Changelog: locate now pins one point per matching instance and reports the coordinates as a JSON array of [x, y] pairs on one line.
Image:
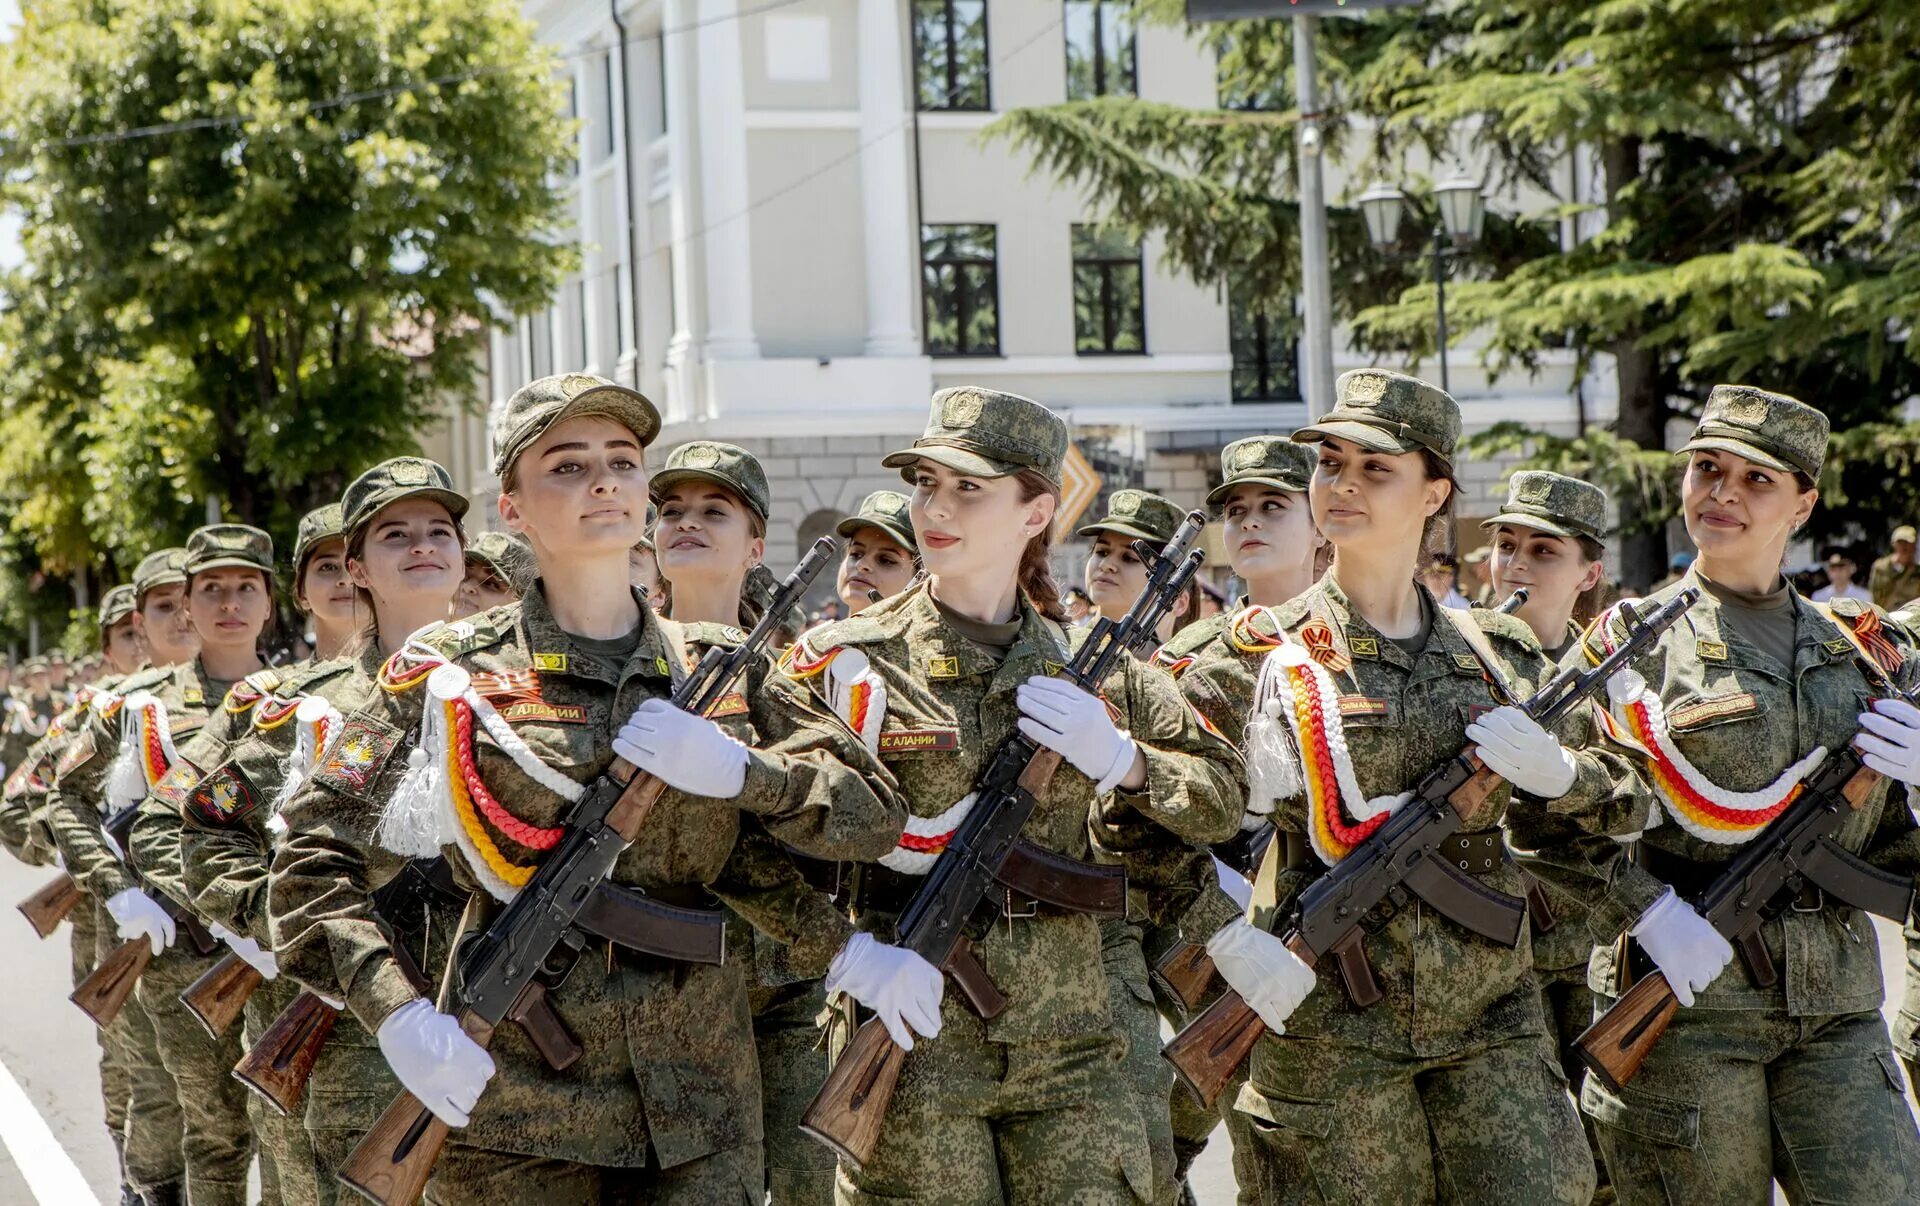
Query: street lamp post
[[1463, 213]]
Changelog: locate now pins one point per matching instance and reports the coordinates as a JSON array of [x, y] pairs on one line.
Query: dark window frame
[[950, 25], [607, 140], [1107, 266], [1102, 86], [963, 291], [1277, 378]]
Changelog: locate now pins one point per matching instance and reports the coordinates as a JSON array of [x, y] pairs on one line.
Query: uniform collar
[[552, 650], [944, 654], [1816, 642]]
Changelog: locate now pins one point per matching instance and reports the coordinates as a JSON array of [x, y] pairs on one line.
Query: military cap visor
[[961, 456], [1536, 523], [1220, 493], [168, 567], [229, 546], [885, 525], [1373, 434], [454, 501], [316, 528], [1742, 446], [1121, 527], [666, 481], [539, 406]]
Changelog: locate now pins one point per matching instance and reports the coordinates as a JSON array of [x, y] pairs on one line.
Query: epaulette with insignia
[[243, 695], [1191, 639], [1507, 628], [146, 679]]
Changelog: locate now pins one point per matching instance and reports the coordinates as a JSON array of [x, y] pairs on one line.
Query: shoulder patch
[[354, 758], [181, 778], [223, 797]]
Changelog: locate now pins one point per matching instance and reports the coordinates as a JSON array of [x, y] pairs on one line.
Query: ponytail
[[1036, 569]]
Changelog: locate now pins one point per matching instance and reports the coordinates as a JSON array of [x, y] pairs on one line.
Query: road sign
[[1245, 10], [1079, 486]]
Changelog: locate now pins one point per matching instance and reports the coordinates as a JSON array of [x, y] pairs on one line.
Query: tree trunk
[[1643, 405]]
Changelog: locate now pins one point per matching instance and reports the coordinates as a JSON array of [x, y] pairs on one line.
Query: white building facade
[[792, 233]]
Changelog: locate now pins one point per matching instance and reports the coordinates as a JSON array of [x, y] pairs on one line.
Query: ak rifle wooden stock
[[279, 1064], [48, 907], [218, 997], [499, 969], [1211, 1048], [851, 1107]]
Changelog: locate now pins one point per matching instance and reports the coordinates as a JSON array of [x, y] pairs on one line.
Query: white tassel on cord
[[127, 781], [308, 718], [1273, 758], [418, 818]]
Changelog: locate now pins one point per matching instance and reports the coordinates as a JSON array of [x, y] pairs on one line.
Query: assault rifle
[[495, 970], [1186, 968], [104, 992], [847, 1113], [279, 1063], [49, 906], [1400, 855], [1794, 851]]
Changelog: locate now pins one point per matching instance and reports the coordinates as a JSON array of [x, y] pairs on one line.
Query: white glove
[[688, 752], [901, 988], [435, 1060], [1234, 884], [1515, 747], [1889, 741], [137, 915], [1076, 726], [251, 953], [1688, 951], [1271, 979]]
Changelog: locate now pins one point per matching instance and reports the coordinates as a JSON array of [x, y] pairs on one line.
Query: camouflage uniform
[[218, 1140], [1797, 1082], [1217, 676], [664, 1100], [508, 556], [1018, 1108], [24, 718], [1160, 868], [1444, 1090], [151, 1144], [1565, 870], [786, 1002], [1893, 585]]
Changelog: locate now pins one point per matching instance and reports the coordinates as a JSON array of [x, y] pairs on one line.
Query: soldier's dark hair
[[1036, 571], [1594, 600], [1437, 538]]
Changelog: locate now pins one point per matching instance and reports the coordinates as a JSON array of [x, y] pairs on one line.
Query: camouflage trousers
[[286, 1154], [1906, 1027], [1336, 1122], [1150, 1077], [151, 1124], [978, 1123], [793, 1063], [472, 1176], [1568, 1005], [217, 1143], [114, 1088], [1732, 1100]]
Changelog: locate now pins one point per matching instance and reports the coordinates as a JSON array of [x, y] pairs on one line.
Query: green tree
[[1755, 166], [268, 234]]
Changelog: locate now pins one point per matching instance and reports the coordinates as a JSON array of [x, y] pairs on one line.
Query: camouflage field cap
[[162, 567], [33, 666], [509, 558], [316, 527], [540, 404], [115, 606], [1263, 460], [394, 481], [887, 511], [229, 546], [1769, 429], [1138, 515], [1555, 504], [727, 465], [1389, 412], [985, 433]]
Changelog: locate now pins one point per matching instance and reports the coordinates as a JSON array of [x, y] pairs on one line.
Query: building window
[[1266, 355], [573, 114], [1109, 293], [623, 330], [1100, 50], [950, 54], [582, 346], [607, 95], [962, 288]]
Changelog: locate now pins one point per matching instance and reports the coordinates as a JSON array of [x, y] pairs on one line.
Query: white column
[[677, 61], [890, 242], [726, 242]]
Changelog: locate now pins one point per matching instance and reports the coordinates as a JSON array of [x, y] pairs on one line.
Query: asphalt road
[[53, 1144]]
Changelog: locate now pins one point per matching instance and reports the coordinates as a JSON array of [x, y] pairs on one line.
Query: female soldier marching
[[1439, 1090], [1016, 1108], [514, 711], [1792, 1080]]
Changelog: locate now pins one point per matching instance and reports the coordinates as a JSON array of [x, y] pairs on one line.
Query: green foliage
[[262, 239], [1645, 480]]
